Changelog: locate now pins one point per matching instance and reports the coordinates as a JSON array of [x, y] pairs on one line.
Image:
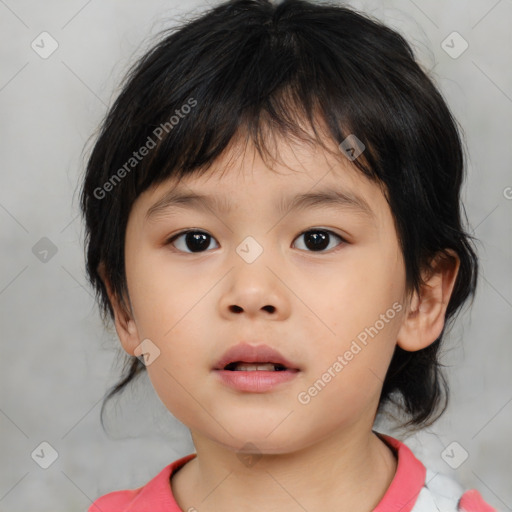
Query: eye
[[195, 240], [316, 240]]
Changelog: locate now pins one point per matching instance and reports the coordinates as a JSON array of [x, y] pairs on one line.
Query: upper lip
[[244, 352]]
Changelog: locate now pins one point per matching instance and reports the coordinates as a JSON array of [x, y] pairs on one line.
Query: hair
[[253, 67]]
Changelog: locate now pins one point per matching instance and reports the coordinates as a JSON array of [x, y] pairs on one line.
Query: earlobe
[[123, 318], [424, 319]]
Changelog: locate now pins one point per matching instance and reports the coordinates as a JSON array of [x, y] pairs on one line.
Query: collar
[[401, 495]]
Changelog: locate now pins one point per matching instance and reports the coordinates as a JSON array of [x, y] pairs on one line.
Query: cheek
[[166, 307], [173, 380], [354, 294], [170, 321], [161, 293], [359, 316], [168, 313]]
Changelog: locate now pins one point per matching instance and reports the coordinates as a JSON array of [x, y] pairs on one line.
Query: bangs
[[272, 79]]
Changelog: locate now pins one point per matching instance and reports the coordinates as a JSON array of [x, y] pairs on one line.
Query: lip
[[257, 381], [254, 354]]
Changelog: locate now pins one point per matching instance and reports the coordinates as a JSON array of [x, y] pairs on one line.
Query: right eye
[[195, 240]]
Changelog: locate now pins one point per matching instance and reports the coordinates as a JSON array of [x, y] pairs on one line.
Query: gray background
[[57, 360]]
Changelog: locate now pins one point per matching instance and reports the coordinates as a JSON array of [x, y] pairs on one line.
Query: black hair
[[253, 67]]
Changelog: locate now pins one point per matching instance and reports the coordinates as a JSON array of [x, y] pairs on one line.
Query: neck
[[349, 471]]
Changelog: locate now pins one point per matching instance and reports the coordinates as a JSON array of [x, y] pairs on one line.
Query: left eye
[[316, 240]]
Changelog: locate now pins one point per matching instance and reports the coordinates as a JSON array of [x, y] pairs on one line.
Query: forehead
[[297, 176]]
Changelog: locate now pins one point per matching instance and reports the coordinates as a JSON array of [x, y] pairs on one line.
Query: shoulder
[[154, 496], [441, 493], [116, 501], [416, 488]]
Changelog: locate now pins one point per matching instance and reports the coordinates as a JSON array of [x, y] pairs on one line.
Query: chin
[[259, 443]]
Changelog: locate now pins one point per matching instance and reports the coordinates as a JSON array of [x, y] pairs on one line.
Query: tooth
[[253, 367]]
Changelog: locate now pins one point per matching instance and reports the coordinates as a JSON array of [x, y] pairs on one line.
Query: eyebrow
[[340, 199]]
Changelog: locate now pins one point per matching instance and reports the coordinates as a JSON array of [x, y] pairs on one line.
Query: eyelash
[[311, 230]]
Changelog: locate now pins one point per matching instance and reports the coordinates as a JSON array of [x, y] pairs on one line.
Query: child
[[259, 131]]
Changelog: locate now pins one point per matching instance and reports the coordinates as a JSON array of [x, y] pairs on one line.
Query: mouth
[[255, 369], [240, 366], [245, 357]]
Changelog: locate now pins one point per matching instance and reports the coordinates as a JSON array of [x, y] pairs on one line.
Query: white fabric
[[440, 494]]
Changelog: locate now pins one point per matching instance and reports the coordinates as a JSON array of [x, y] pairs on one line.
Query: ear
[[123, 318], [425, 316]]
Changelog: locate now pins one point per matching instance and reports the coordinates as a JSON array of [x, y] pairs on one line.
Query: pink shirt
[[410, 490]]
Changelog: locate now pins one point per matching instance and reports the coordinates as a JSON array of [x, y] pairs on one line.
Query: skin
[[182, 302]]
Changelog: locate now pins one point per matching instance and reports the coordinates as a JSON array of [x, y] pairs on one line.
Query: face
[[322, 282]]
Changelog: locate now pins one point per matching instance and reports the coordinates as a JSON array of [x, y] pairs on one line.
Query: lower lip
[[257, 381]]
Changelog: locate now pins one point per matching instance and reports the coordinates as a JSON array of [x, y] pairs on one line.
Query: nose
[[255, 290], [234, 308]]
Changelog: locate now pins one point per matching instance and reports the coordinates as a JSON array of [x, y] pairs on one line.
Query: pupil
[[316, 240], [201, 241]]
